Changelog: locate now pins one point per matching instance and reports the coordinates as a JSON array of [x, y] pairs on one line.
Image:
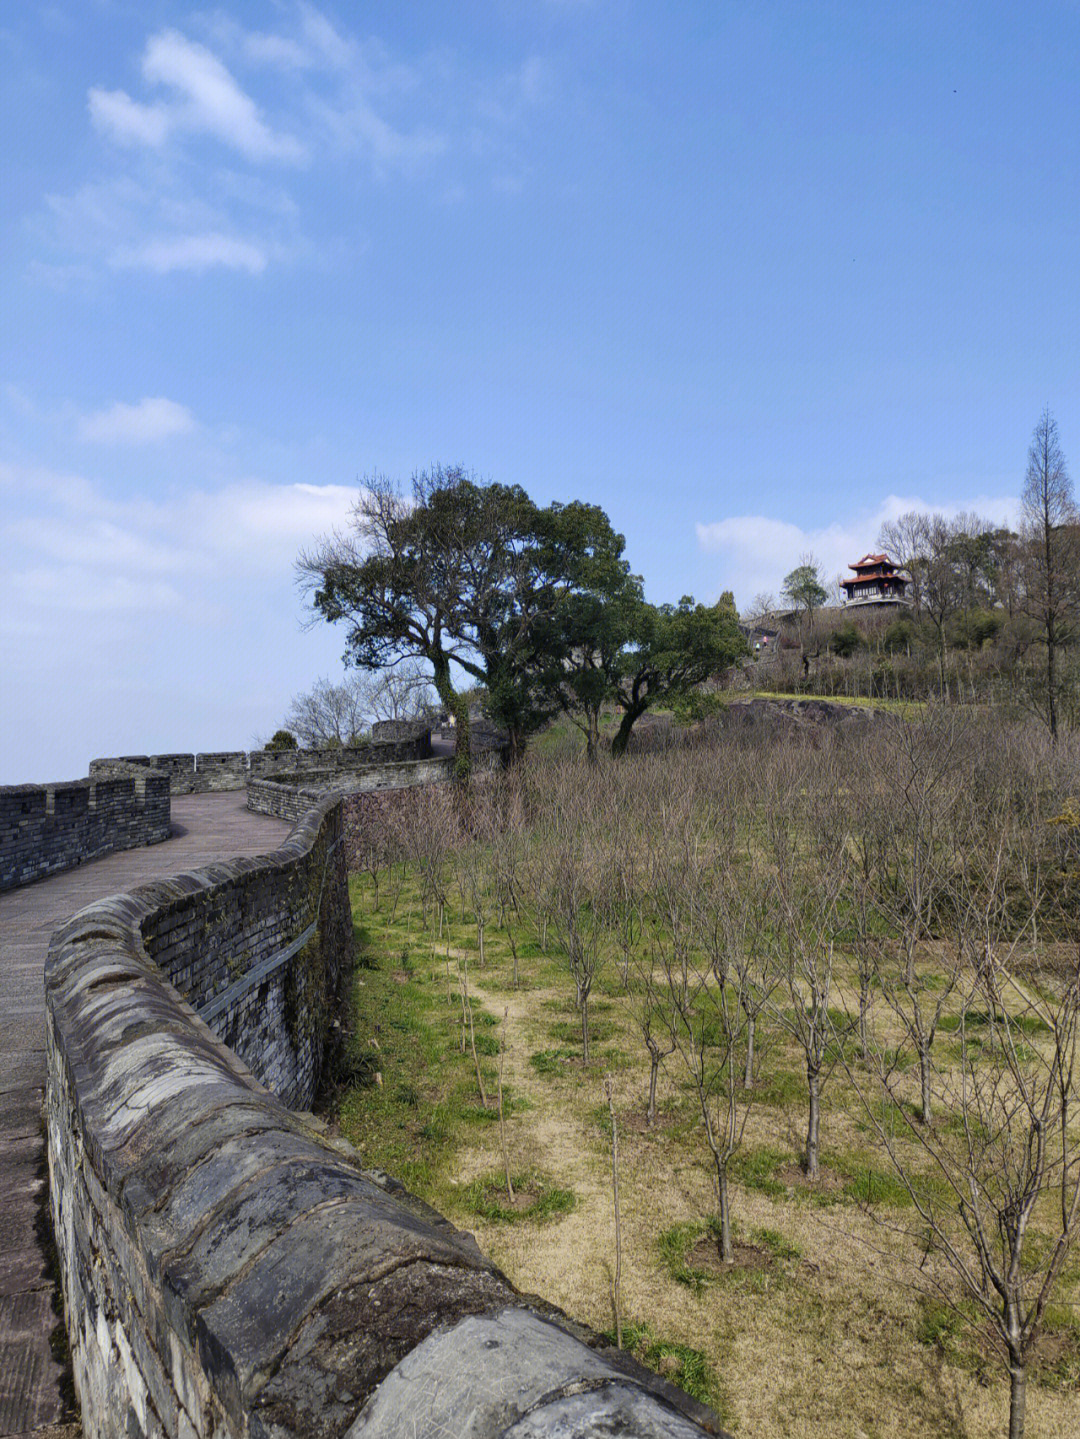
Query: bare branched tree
[[1051, 554], [998, 1189], [806, 830], [911, 786], [571, 898], [708, 1030], [330, 715]]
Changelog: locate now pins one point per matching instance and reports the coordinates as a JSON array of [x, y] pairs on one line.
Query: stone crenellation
[[52, 827], [227, 1270], [397, 729], [232, 769]]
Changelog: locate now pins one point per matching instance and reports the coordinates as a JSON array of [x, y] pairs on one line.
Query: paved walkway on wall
[[33, 1382]]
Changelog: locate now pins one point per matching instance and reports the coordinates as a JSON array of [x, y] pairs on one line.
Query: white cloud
[[276, 50], [206, 98], [126, 121], [358, 126], [200, 537], [173, 619], [149, 420], [193, 252], [758, 551], [305, 91], [322, 38]]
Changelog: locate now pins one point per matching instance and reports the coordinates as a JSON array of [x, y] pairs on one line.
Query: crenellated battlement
[[48, 828]]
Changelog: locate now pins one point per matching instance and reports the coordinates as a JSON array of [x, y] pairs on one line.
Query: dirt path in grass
[[570, 1257]]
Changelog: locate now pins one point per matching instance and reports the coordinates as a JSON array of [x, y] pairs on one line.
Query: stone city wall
[[227, 1271], [383, 730], [288, 796], [231, 769], [50, 827]]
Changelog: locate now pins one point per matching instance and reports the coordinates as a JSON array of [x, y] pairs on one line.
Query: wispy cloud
[[213, 158], [193, 252], [149, 420], [757, 551], [182, 553], [205, 99], [120, 601]]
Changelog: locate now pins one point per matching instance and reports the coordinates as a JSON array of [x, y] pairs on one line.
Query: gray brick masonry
[[288, 796], [52, 827], [231, 769]]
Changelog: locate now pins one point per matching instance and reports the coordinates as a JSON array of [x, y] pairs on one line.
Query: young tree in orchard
[[996, 1190], [707, 1023], [464, 576], [805, 839], [908, 801], [1051, 554], [674, 648]]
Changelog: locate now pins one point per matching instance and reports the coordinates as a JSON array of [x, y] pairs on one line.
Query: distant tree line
[[993, 617]]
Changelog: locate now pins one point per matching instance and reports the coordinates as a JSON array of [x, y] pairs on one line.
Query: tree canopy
[[534, 603], [803, 588]]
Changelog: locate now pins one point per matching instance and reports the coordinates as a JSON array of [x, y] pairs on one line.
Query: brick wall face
[[288, 795], [48, 828]]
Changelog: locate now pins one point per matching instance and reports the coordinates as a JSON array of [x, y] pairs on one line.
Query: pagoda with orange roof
[[877, 581]]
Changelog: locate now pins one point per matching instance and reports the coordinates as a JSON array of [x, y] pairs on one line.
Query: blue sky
[[751, 276]]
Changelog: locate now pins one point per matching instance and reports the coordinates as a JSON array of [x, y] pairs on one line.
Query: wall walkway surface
[[228, 1271], [32, 1378]]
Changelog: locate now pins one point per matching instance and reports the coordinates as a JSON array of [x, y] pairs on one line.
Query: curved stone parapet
[[288, 796], [227, 1271]]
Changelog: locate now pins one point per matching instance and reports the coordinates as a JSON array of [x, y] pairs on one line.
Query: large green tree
[[674, 648], [469, 578]]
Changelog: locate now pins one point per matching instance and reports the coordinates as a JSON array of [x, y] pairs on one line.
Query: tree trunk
[[616, 1282], [626, 724], [748, 1077], [458, 706], [592, 736], [924, 1080], [1051, 678], [502, 1123], [585, 1030], [726, 1251], [1017, 1398], [813, 1128], [654, 1068]]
